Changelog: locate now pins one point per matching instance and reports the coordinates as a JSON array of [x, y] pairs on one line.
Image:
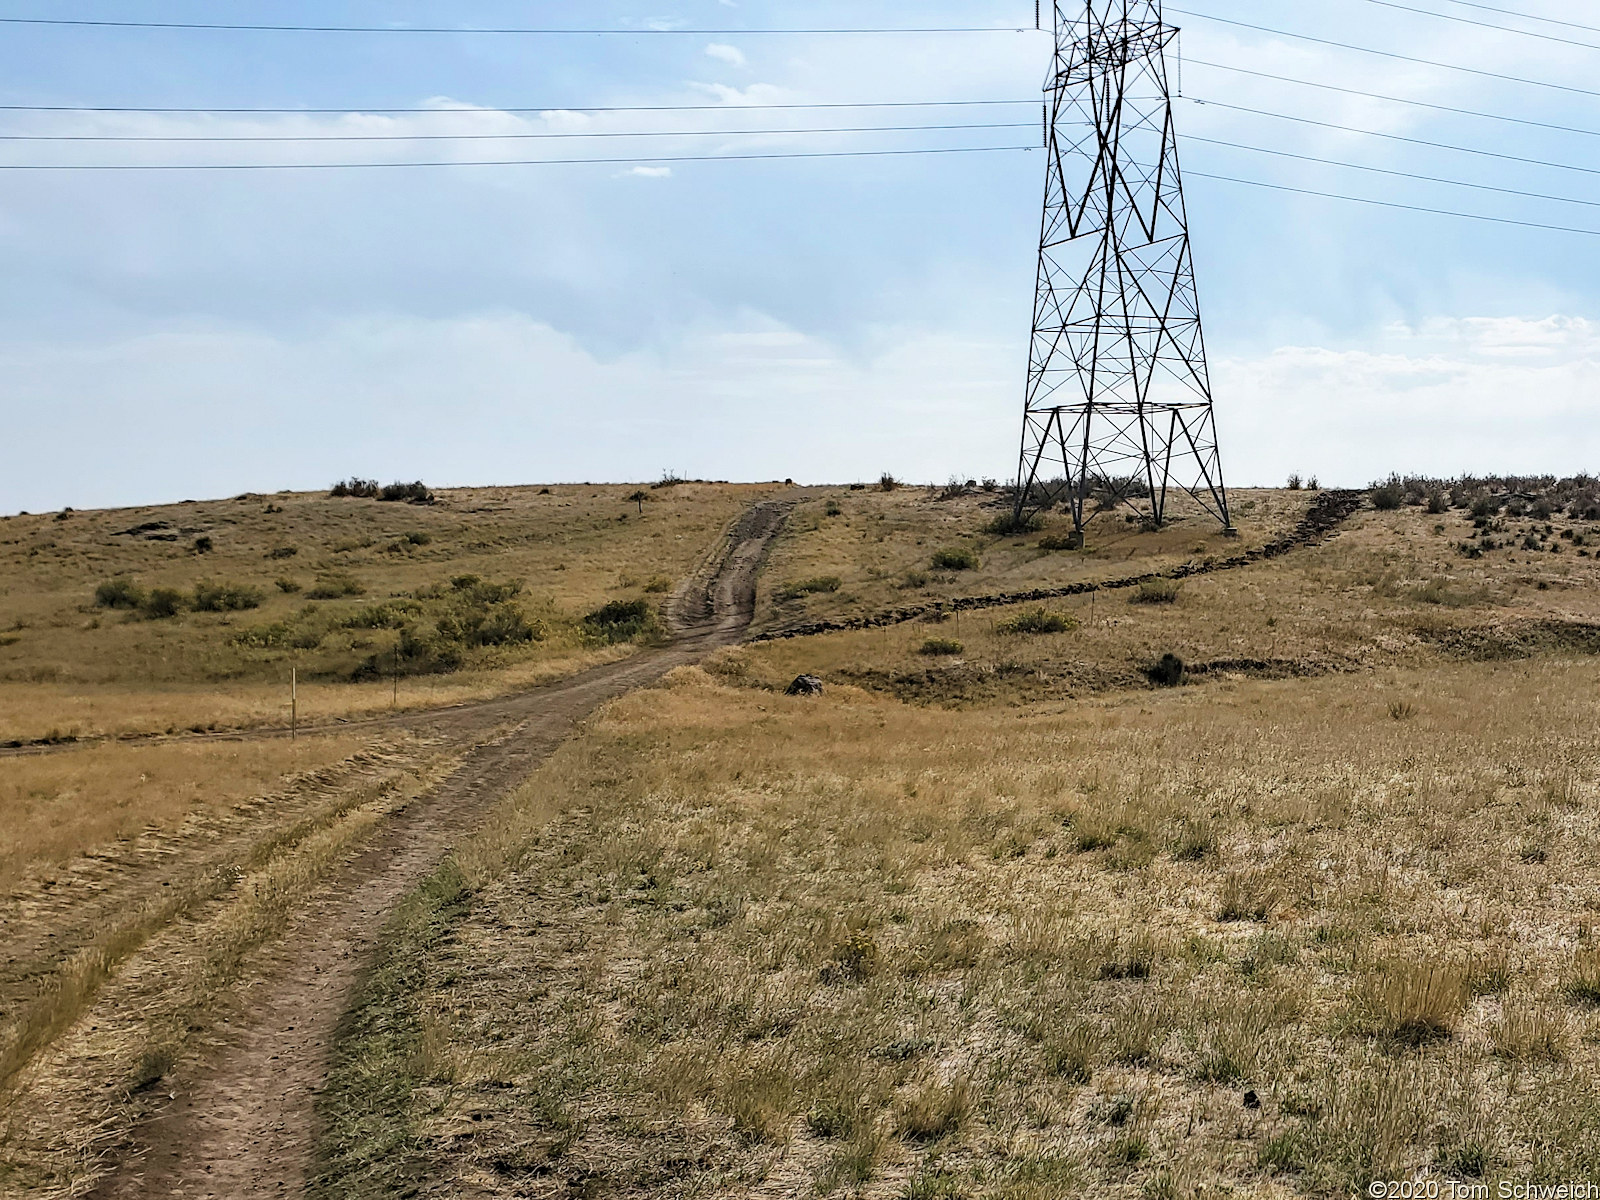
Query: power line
[[1333, 162], [485, 137], [1426, 62], [226, 27], [830, 154], [1525, 16], [1426, 12], [514, 162], [490, 112], [1437, 212], [1395, 137], [1330, 87]]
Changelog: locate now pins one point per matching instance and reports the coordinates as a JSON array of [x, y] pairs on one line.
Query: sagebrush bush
[[1389, 495], [808, 587], [119, 593], [957, 558], [1007, 524], [1156, 591], [1038, 620], [162, 604], [1166, 672], [336, 585], [363, 489], [225, 597], [410, 493], [1061, 541], [623, 621], [937, 647]]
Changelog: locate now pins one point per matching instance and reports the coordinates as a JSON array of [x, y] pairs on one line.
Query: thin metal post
[[294, 704]]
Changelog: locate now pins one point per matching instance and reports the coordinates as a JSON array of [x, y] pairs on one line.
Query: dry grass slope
[[730, 943]]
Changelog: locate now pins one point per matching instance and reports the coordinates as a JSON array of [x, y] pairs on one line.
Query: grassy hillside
[[1269, 938], [144, 620]]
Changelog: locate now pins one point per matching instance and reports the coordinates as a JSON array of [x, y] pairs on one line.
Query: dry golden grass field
[[1015, 908]]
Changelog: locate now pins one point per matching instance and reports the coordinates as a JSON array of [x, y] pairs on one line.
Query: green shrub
[[336, 585], [162, 603], [658, 585], [887, 482], [1038, 620], [411, 493], [941, 647], [807, 587], [1389, 495], [204, 545], [279, 553], [363, 489], [225, 597], [288, 586], [623, 621], [1008, 524], [1061, 541], [957, 558], [1157, 591], [119, 593], [1168, 672]]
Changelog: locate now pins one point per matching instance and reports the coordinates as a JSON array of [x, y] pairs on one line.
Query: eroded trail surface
[[243, 1127]]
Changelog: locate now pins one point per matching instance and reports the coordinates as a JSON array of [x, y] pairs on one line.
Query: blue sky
[[175, 335]]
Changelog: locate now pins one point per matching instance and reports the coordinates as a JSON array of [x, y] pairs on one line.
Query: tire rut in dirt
[[243, 1126]]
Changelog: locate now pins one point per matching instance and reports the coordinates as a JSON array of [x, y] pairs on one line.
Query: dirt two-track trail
[[243, 1126]]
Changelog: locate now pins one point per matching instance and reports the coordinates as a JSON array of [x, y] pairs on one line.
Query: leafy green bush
[[336, 585], [1157, 591], [162, 604], [1168, 672], [1038, 620], [411, 493], [957, 558], [1008, 524], [1389, 495], [808, 587], [1061, 541], [362, 489], [279, 553], [288, 586], [623, 621], [941, 647], [225, 597], [119, 593]]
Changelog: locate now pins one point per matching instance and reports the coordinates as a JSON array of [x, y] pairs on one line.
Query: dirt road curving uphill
[[242, 1126]]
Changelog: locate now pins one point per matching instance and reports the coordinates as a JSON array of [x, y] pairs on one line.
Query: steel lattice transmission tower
[[1119, 397]]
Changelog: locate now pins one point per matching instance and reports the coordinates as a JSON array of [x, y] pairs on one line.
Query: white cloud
[[728, 54], [1473, 394], [648, 173]]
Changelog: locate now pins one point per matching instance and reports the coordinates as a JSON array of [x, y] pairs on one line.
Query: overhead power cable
[[231, 27], [830, 154], [511, 162], [1332, 87], [1334, 162], [1395, 137], [1428, 12], [489, 137], [1417, 208], [1525, 16], [1426, 62], [490, 112]]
